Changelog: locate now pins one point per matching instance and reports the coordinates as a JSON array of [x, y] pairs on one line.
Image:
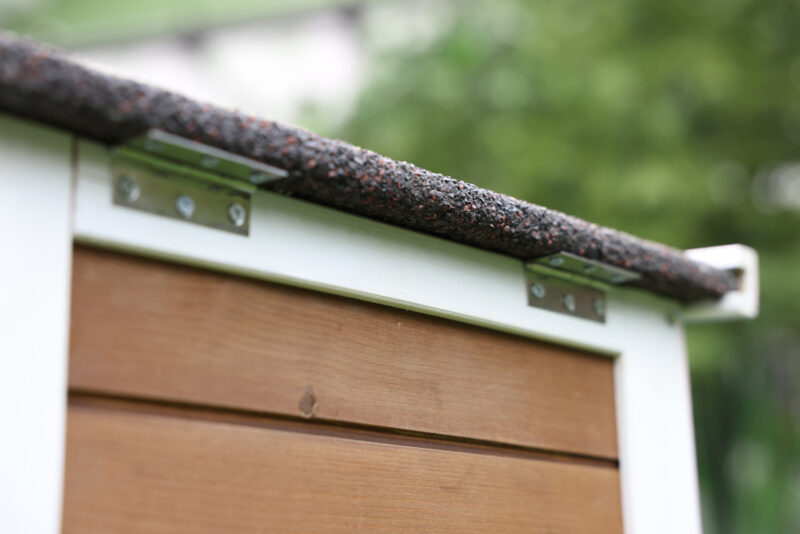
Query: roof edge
[[40, 83]]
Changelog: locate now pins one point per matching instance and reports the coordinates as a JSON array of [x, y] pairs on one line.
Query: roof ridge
[[40, 83]]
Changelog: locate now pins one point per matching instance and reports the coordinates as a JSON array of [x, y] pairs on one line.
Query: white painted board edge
[[741, 303], [35, 266]]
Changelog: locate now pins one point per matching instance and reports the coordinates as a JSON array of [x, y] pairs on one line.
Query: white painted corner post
[[35, 262]]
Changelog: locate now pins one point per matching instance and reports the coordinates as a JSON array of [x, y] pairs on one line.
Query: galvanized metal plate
[[562, 296], [570, 263], [186, 151], [163, 192]]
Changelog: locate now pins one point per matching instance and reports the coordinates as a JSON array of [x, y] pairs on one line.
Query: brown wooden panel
[[131, 472], [159, 330]]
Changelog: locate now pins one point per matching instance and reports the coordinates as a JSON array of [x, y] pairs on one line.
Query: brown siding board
[[131, 472], [158, 330]]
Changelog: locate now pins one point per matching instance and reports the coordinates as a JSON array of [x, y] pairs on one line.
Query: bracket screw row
[[184, 205], [128, 190], [568, 300]]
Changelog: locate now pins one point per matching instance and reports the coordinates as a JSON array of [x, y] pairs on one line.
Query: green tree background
[[676, 121]]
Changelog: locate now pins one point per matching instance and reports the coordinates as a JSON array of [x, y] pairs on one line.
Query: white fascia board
[[310, 246], [35, 266], [742, 303]]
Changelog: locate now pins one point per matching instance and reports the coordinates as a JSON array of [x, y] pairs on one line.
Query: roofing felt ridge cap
[[39, 83]]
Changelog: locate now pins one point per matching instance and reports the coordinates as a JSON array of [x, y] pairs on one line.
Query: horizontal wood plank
[[157, 330], [131, 472]]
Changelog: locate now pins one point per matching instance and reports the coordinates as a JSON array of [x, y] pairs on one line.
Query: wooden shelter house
[[217, 323]]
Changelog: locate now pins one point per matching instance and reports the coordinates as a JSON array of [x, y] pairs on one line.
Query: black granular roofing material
[[39, 83]]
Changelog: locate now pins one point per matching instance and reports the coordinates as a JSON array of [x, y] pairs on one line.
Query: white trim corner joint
[[741, 303]]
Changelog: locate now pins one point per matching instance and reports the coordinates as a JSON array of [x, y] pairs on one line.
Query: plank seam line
[[80, 397]]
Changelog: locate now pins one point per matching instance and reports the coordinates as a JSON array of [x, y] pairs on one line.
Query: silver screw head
[[556, 262], [599, 307], [128, 188], [237, 214], [568, 300], [184, 205], [538, 290]]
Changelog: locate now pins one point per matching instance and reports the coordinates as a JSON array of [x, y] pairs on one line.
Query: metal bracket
[[168, 175], [150, 187], [563, 296], [572, 285], [188, 152], [595, 270]]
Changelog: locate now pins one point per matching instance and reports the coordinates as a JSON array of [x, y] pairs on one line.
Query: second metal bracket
[[563, 296], [572, 285]]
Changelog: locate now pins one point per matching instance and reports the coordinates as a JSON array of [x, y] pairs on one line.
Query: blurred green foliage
[[665, 119], [80, 23]]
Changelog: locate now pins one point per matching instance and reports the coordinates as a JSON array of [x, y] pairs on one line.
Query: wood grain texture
[[130, 473], [156, 330]]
